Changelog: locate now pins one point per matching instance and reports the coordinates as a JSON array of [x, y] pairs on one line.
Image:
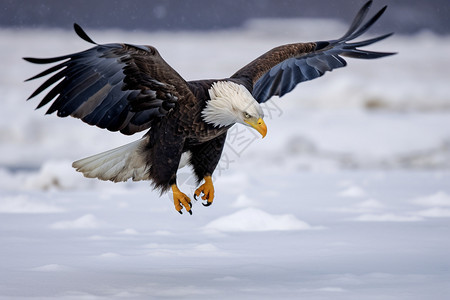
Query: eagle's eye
[[246, 115]]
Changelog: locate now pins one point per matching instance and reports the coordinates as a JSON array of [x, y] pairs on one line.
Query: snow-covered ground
[[348, 196]]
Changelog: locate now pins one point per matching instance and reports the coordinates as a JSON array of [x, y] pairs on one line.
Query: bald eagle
[[130, 88]]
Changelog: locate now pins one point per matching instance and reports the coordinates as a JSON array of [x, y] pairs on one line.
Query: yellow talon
[[180, 199], [207, 188]]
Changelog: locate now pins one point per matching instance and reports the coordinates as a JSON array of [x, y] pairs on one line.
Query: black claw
[[190, 204], [180, 212], [190, 212], [207, 204], [195, 197]]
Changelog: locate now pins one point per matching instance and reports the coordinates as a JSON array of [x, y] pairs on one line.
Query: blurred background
[[405, 16], [347, 196]]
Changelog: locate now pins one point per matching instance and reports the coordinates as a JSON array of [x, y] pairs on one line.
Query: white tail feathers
[[119, 164]]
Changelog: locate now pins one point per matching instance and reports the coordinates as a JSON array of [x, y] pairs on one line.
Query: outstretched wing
[[119, 87], [278, 71]]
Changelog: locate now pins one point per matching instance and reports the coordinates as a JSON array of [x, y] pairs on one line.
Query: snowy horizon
[[347, 197]]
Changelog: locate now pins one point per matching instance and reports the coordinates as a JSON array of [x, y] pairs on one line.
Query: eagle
[[131, 88]]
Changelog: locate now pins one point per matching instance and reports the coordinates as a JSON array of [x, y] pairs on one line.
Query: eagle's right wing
[[120, 87]]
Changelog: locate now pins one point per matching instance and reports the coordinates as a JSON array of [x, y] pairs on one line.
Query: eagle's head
[[232, 103]]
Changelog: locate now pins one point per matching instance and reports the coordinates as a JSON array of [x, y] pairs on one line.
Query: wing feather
[[278, 71], [120, 87]]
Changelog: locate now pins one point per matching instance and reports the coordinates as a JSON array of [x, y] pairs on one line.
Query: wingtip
[[388, 35], [77, 28], [368, 4], [366, 7], [33, 60], [381, 11], [356, 29], [82, 34]]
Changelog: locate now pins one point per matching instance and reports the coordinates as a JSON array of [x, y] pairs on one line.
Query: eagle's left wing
[[278, 71]]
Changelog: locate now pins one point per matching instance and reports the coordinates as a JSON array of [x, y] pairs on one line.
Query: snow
[[252, 219], [25, 204], [84, 222], [439, 198], [347, 197], [352, 191]]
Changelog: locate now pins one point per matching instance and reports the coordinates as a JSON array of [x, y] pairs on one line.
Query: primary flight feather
[[130, 88]]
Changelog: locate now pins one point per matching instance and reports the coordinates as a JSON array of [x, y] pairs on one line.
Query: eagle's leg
[[180, 199], [207, 188]]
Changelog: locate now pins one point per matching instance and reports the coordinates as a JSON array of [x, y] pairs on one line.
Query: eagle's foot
[[207, 188], [180, 199]]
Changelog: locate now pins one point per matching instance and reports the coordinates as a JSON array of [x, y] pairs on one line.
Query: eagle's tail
[[119, 164]]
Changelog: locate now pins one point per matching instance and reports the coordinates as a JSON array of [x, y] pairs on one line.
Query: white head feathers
[[230, 103]]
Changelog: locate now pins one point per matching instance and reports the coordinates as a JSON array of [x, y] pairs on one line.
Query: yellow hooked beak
[[259, 125]]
